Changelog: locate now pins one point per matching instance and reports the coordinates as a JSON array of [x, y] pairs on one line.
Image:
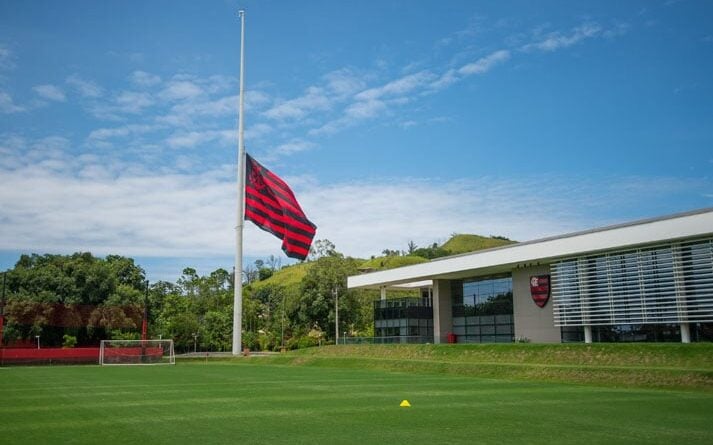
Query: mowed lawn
[[250, 403]]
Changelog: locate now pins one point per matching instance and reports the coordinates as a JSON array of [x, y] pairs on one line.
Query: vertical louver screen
[[670, 283]]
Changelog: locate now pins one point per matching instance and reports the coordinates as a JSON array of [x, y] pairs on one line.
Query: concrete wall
[[442, 311], [532, 322]]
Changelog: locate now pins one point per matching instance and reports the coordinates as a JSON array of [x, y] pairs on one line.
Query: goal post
[[136, 352]]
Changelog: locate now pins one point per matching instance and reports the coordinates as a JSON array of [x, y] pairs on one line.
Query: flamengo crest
[[540, 289]]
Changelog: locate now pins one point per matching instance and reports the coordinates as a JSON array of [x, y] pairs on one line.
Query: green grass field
[[253, 401]]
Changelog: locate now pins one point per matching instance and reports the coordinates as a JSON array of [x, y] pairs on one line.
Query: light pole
[[38, 341], [336, 315], [282, 346], [2, 306], [195, 342]]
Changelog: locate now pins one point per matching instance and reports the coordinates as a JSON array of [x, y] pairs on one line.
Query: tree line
[[80, 299]]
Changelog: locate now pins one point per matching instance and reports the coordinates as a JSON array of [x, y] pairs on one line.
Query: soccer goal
[[136, 352]]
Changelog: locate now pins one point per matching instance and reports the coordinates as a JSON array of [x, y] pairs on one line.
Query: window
[[404, 319], [483, 310]]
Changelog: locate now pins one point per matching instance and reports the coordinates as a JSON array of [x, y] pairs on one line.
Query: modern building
[[649, 280]]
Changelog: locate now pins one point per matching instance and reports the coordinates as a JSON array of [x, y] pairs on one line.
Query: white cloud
[[398, 87], [7, 105], [144, 79], [348, 214], [313, 100], [133, 101], [344, 82], [50, 92], [294, 146], [445, 80], [181, 90], [257, 131], [46, 153], [195, 138], [7, 58], [86, 88], [120, 132], [556, 40], [219, 84], [485, 64], [133, 215], [127, 210], [219, 107], [376, 101], [365, 109]]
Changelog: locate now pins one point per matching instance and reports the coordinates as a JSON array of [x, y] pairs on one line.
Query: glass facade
[[404, 320], [629, 333], [483, 310], [701, 331], [639, 333]]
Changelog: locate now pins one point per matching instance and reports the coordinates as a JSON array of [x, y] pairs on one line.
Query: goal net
[[136, 352]]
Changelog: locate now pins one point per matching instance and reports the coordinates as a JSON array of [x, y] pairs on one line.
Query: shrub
[[69, 341], [250, 341], [301, 342]]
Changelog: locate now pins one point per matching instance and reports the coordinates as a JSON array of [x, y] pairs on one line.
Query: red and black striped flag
[[271, 205]]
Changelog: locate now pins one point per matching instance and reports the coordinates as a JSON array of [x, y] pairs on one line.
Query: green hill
[[460, 243], [470, 243], [287, 276], [391, 261]]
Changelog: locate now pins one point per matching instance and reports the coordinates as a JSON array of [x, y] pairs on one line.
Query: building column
[[685, 333], [383, 292], [587, 334], [442, 310]]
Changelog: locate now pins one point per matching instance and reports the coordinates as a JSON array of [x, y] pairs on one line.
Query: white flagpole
[[238, 297]]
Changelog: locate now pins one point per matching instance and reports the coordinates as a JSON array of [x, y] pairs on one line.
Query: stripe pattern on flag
[[271, 205]]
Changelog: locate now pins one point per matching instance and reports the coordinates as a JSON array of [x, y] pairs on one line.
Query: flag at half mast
[[271, 205]]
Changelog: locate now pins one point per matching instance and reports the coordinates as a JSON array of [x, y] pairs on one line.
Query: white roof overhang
[[504, 259]]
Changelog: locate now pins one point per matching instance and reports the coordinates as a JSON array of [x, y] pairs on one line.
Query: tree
[[274, 262], [188, 281], [217, 330], [264, 273], [431, 252], [316, 304], [411, 247], [77, 295], [322, 248], [250, 274]]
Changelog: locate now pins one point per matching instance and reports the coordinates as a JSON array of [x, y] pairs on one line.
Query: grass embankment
[[636, 365]]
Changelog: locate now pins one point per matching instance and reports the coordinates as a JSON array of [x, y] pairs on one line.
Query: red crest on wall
[[540, 289]]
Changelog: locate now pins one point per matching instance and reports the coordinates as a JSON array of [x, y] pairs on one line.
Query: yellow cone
[[405, 404]]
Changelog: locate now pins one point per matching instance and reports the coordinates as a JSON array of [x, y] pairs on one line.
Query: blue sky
[[392, 120]]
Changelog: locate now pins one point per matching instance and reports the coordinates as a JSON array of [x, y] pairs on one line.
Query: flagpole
[[238, 275]]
